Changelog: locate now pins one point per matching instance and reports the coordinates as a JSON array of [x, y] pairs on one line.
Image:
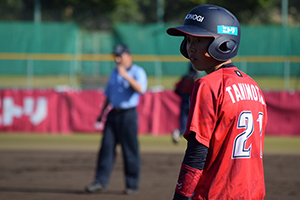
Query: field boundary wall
[[65, 112]]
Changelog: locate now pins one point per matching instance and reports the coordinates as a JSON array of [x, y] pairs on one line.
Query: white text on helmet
[[231, 30], [196, 17]]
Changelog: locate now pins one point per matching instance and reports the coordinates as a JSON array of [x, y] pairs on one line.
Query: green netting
[[15, 67], [270, 40], [96, 42], [147, 39], [150, 39], [270, 69], [255, 41], [96, 67], [30, 38], [38, 38]]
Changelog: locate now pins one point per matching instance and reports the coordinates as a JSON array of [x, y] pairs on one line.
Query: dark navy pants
[[120, 128]]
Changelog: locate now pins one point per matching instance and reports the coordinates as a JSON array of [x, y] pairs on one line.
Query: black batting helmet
[[211, 21]]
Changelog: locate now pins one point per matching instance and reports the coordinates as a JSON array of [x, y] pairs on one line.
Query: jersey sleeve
[[141, 78], [202, 116]]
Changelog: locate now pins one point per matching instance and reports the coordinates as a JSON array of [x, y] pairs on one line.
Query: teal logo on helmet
[[230, 30]]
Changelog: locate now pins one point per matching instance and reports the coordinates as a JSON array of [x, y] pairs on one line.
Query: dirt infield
[[62, 175]]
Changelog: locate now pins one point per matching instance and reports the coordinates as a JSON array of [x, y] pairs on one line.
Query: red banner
[[33, 111], [84, 108], [52, 112], [283, 113], [159, 112]]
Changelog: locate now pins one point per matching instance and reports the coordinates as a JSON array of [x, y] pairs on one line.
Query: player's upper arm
[[195, 155]]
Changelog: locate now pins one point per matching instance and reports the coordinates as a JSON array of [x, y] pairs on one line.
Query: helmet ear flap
[[183, 50], [223, 49], [227, 46]]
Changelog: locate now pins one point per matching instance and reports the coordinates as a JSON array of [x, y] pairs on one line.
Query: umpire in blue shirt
[[125, 85]]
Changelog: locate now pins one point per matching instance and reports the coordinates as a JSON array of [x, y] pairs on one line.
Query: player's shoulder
[[224, 76], [207, 83], [212, 78], [234, 71], [235, 74], [137, 68]]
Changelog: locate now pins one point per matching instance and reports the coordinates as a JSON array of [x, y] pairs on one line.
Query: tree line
[[103, 14]]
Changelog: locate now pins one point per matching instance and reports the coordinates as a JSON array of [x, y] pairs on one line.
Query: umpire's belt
[[120, 110]]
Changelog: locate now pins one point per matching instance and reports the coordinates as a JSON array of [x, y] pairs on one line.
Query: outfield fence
[[103, 64], [30, 53], [46, 111]]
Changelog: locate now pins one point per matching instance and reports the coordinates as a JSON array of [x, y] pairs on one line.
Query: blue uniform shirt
[[120, 93]]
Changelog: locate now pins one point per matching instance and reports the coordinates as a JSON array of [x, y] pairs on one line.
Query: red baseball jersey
[[228, 114]]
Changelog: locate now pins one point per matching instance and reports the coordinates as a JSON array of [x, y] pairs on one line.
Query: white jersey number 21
[[245, 121]]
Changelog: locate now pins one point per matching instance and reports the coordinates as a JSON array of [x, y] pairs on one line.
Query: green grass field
[[148, 143]]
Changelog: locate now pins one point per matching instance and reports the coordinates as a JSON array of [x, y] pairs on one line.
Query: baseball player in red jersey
[[227, 118]]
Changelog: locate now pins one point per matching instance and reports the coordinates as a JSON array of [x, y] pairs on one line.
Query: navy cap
[[120, 49]]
